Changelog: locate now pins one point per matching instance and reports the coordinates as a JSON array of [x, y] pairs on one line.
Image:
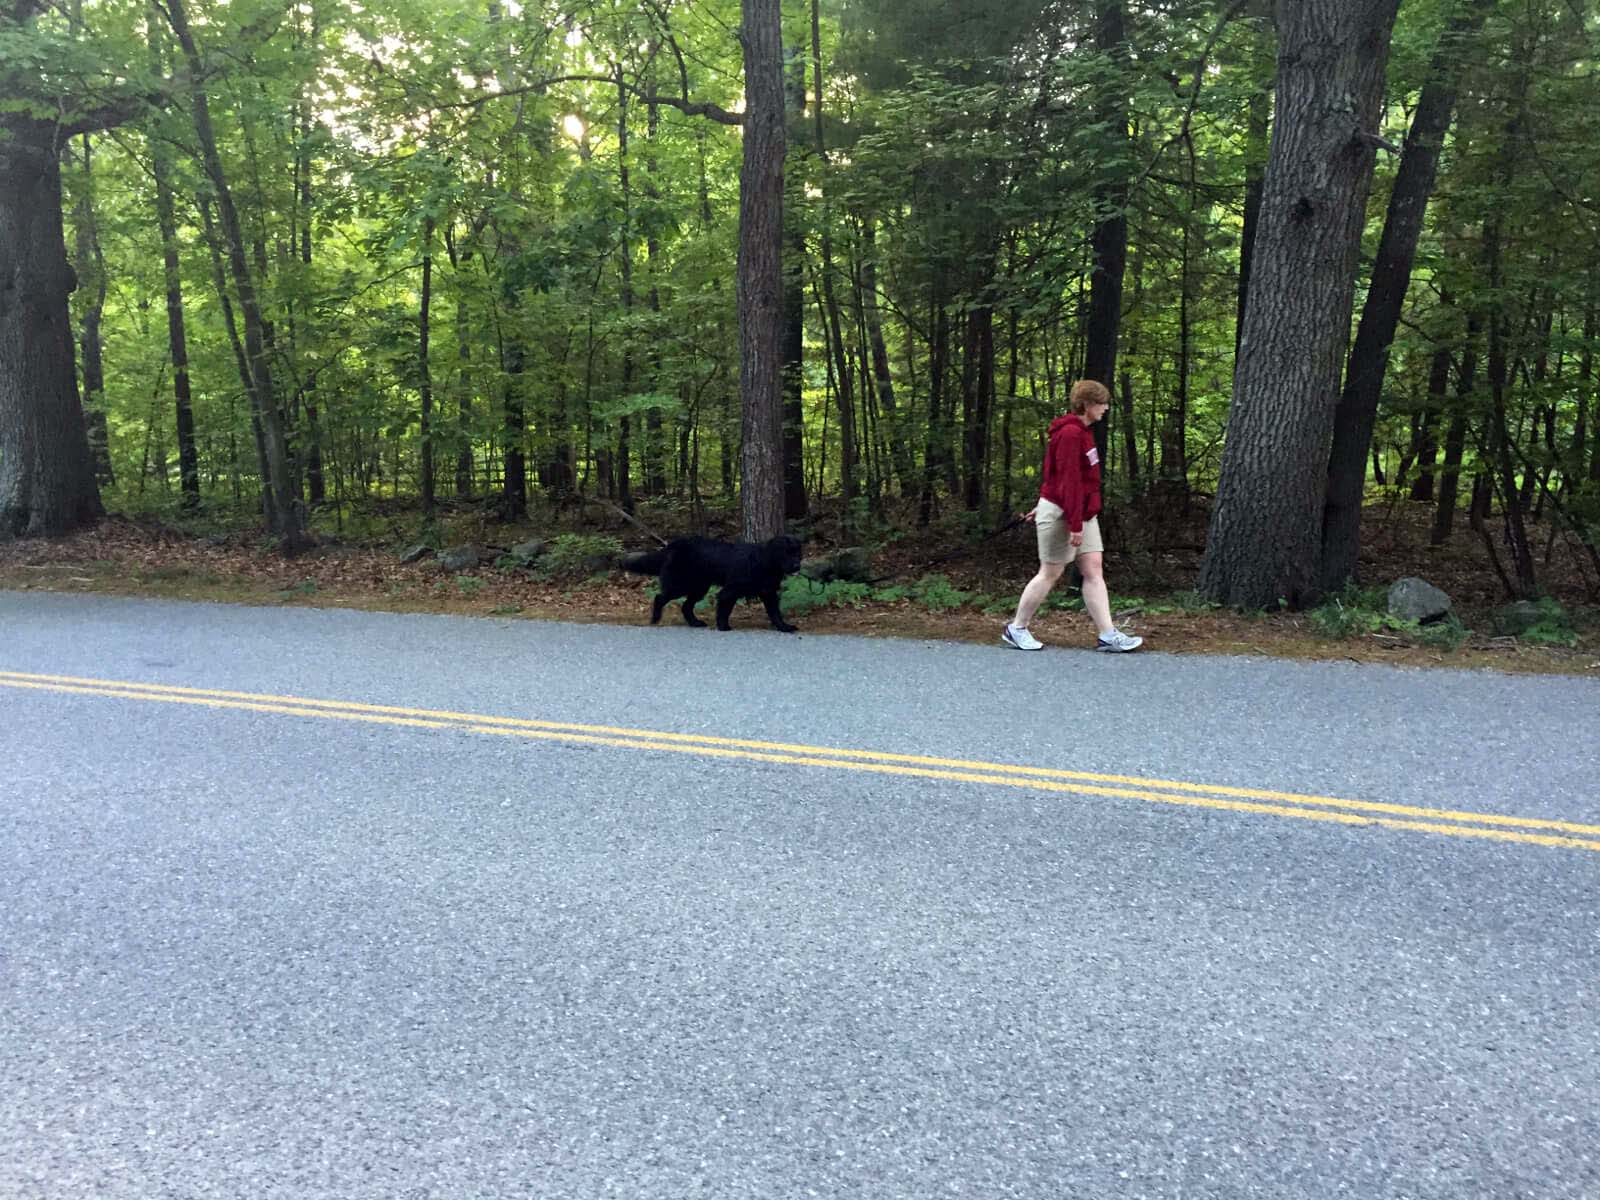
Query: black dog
[[692, 566]]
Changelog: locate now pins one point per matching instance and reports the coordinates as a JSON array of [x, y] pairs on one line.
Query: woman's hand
[[1077, 538], [1030, 515]]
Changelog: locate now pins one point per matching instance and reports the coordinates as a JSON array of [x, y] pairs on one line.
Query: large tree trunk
[[1380, 316], [760, 271], [47, 483], [1264, 544]]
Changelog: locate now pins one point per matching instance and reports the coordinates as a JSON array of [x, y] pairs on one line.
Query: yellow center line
[[1288, 804]]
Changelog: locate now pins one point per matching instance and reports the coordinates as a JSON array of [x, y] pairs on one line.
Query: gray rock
[[525, 552], [416, 554], [1413, 599], [460, 558], [853, 564], [1516, 619], [819, 570]]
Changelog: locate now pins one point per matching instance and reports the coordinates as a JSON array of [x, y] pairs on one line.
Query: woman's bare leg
[[1096, 601], [1038, 588]]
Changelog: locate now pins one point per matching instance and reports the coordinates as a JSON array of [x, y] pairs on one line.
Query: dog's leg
[[696, 594], [775, 614], [726, 599], [657, 605]]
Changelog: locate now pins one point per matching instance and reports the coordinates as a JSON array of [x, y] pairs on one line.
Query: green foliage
[[1446, 634], [802, 595], [574, 556], [1361, 612], [1554, 627]]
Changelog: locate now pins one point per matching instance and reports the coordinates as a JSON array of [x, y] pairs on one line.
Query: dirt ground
[[1150, 568]]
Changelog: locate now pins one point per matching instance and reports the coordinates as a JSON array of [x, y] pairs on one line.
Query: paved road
[[252, 946]]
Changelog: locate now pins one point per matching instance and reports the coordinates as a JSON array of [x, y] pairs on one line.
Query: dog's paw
[[787, 628]]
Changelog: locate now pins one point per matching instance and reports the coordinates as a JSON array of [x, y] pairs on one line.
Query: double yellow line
[[1532, 830]]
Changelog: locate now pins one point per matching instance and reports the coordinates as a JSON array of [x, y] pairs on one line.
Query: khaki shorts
[[1055, 539]]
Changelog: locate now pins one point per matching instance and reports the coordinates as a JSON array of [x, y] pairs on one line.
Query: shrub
[[576, 556], [802, 595], [1554, 627]]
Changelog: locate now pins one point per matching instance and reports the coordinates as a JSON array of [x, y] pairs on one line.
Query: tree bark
[[1109, 241], [424, 367], [1455, 438], [91, 272], [47, 483], [795, 502], [760, 271], [1258, 123], [285, 512], [177, 335], [899, 448], [1264, 542], [1380, 316]]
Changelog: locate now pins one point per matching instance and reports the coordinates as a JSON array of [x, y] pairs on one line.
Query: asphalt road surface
[[315, 903]]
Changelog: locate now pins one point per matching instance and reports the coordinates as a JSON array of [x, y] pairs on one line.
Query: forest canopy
[[285, 260]]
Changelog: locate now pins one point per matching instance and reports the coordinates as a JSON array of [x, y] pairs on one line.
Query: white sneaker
[[1117, 642], [1021, 639]]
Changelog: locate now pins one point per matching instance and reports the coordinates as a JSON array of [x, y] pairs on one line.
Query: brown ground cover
[[1151, 567]]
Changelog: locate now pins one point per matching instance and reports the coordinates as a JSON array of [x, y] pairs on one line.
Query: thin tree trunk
[[795, 501], [899, 448], [91, 270], [1455, 439], [177, 336], [1109, 241], [1427, 428], [286, 513], [1380, 316], [1257, 128], [424, 368]]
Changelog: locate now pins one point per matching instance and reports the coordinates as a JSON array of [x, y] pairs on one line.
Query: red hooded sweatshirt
[[1072, 470]]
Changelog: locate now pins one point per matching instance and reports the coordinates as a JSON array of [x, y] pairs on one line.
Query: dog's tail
[[645, 562]]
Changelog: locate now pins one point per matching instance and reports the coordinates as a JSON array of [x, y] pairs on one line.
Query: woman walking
[[1067, 521]]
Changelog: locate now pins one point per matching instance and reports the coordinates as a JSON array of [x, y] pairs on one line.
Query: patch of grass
[[173, 573], [1448, 634], [306, 587], [1190, 602], [469, 585], [1357, 612]]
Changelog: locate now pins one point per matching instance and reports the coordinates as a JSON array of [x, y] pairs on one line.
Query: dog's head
[[785, 551]]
